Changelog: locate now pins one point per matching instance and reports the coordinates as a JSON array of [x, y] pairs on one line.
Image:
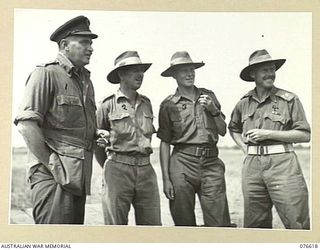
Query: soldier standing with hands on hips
[[57, 120], [264, 124], [191, 120], [125, 119]]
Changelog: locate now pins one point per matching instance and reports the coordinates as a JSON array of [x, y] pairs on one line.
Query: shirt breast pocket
[[70, 111], [147, 125], [180, 122], [121, 124], [247, 120], [275, 122]]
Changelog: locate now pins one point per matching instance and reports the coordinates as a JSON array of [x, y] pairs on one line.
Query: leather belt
[[197, 150], [128, 159], [269, 150]]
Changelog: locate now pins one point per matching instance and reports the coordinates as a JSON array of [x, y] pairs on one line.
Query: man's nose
[[90, 48]]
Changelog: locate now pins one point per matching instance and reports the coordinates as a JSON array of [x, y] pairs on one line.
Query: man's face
[[79, 50], [131, 77], [185, 75], [264, 75]]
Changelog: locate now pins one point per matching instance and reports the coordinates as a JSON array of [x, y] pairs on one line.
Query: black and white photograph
[[162, 119], [161, 124]]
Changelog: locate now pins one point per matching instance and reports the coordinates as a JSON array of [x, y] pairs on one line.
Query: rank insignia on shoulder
[[184, 106]]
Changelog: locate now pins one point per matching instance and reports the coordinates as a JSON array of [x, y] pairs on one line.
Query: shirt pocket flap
[[246, 116], [276, 118], [114, 117], [68, 100]]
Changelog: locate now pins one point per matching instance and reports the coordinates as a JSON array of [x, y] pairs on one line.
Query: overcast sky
[[223, 41]]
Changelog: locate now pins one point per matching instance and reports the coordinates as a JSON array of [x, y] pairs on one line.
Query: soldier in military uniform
[[57, 120], [129, 177], [264, 124], [191, 120]]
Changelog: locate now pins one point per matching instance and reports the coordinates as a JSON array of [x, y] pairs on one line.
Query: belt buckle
[[198, 151], [204, 152], [261, 150]]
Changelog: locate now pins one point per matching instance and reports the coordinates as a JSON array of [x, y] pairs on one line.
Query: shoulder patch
[[46, 64], [286, 95]]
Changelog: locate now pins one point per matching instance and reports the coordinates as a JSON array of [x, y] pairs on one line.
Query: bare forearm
[[237, 137], [35, 141], [290, 136], [165, 159]]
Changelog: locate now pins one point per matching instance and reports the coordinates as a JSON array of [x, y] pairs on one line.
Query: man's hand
[[257, 135], [206, 102], [104, 138], [168, 189]]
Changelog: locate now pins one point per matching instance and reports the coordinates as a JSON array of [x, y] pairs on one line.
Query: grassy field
[[233, 158]]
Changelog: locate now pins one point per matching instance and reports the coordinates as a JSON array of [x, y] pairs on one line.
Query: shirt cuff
[[29, 115], [301, 126]]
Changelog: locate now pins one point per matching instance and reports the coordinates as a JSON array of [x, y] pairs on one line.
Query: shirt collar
[[67, 65], [272, 93], [177, 96], [119, 94]]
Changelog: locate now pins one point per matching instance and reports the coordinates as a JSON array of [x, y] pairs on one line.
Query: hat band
[[128, 61], [260, 59], [180, 60]]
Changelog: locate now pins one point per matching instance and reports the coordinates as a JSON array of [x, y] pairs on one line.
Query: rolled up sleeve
[[235, 124], [217, 104], [37, 97], [164, 131], [102, 117], [299, 120]]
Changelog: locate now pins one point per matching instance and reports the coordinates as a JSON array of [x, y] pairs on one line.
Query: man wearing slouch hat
[[191, 120], [264, 124], [125, 122]]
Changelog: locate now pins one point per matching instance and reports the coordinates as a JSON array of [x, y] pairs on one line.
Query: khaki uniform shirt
[[185, 121], [130, 127], [281, 111], [62, 102]]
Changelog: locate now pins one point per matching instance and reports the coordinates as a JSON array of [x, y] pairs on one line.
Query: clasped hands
[[256, 135]]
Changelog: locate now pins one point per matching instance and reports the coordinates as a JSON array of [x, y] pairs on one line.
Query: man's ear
[[120, 73], [63, 44], [252, 73]]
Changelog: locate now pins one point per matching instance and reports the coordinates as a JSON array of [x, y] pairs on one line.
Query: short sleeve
[[298, 117], [164, 131], [217, 103], [37, 97], [235, 124], [102, 117]]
